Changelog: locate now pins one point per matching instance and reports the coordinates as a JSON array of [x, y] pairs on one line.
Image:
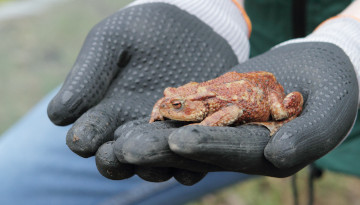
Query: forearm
[[352, 10], [225, 17]]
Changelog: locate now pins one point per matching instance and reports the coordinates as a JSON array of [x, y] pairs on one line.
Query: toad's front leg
[[284, 108], [225, 116], [155, 114]]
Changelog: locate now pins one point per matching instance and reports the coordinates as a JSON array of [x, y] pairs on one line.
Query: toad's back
[[229, 99]]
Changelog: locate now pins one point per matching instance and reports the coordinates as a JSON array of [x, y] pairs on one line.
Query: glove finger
[[101, 58], [109, 166], [154, 174], [97, 126], [147, 144], [138, 127], [188, 178], [126, 130], [316, 132], [238, 149]]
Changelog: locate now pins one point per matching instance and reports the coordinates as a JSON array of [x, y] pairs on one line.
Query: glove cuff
[[226, 17], [343, 31]]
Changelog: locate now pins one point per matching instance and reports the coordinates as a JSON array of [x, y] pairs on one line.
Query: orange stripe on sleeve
[[246, 17], [336, 17]]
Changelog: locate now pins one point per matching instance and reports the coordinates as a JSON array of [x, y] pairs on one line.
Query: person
[[126, 62]]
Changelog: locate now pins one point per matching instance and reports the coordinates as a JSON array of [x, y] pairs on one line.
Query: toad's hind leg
[[225, 116], [272, 126], [282, 109]]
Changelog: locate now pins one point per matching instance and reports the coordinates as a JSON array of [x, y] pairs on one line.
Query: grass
[[330, 189], [37, 52]]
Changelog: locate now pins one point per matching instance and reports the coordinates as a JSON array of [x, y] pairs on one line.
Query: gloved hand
[[320, 66], [126, 62], [322, 72]]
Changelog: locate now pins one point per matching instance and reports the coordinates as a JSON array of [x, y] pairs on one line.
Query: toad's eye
[[176, 104]]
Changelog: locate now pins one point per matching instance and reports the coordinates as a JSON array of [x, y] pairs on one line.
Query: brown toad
[[233, 98]]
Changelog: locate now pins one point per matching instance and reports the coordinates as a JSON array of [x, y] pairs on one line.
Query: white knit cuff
[[223, 16], [342, 31]]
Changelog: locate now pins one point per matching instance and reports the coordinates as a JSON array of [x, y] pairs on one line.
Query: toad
[[231, 99]]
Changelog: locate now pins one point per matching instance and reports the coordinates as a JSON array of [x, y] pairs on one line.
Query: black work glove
[[126, 62], [320, 71]]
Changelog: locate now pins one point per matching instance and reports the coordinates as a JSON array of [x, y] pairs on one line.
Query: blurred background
[[40, 40]]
